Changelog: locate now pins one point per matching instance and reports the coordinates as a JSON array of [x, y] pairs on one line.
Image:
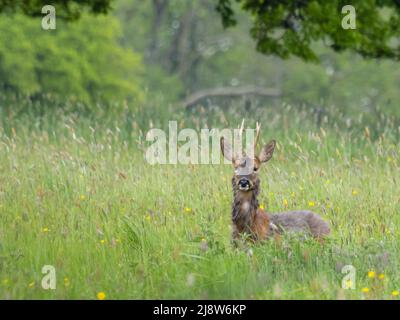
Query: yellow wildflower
[[66, 282], [311, 203], [354, 192], [371, 274], [45, 229], [395, 293], [102, 241], [188, 210], [262, 206], [82, 197], [381, 276], [365, 290], [101, 295], [285, 203], [349, 284]]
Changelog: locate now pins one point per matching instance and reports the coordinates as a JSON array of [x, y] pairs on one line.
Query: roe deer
[[247, 217]]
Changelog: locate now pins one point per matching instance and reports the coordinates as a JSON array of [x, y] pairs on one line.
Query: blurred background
[[157, 58]]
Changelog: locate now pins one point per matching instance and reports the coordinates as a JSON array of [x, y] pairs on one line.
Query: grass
[[79, 195]]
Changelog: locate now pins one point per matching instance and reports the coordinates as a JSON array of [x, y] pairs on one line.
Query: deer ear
[[226, 149], [267, 151]]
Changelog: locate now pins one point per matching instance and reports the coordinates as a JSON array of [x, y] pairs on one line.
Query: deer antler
[[258, 129], [240, 136], [241, 129]]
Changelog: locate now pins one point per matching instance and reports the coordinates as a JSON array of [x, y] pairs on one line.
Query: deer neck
[[245, 205]]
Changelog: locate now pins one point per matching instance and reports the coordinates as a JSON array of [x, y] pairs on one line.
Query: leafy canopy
[[68, 9], [290, 27], [82, 59]]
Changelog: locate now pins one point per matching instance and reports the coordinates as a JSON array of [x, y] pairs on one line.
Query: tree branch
[[196, 97]]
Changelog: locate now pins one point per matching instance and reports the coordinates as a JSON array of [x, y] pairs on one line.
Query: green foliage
[[82, 59], [227, 58], [183, 38], [149, 49], [349, 82], [143, 30], [67, 9], [286, 28]]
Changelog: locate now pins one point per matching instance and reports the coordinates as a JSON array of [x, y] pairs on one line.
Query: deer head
[[245, 178]]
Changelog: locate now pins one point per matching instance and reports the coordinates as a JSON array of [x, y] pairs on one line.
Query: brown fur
[[249, 219]]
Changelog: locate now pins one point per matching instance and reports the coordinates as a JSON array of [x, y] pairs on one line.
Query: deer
[[248, 219]]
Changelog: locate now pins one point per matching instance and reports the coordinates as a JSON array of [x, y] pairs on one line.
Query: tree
[[82, 59], [290, 27], [170, 33], [186, 48], [225, 58], [67, 9]]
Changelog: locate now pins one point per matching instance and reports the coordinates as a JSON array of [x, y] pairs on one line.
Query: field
[[77, 194]]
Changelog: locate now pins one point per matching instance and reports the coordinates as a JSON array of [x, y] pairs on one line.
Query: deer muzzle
[[244, 184]]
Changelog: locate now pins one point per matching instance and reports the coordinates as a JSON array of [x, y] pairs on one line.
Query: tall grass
[[76, 193]]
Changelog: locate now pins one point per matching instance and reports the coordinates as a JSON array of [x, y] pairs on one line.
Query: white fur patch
[[273, 226], [246, 206]]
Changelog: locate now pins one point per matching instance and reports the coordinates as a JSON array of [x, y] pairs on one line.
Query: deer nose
[[243, 182]]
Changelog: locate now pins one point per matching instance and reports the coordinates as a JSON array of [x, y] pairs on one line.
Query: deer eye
[[255, 169]]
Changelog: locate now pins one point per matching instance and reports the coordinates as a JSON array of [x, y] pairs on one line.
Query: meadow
[[77, 193]]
